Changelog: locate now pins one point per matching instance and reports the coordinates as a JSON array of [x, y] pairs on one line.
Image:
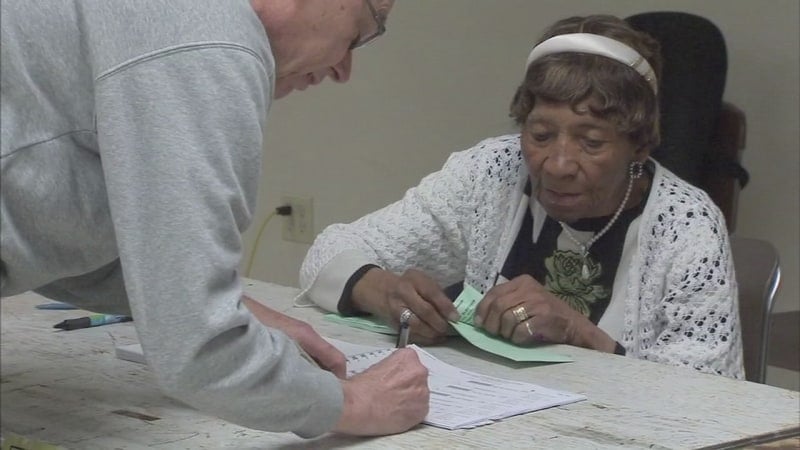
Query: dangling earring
[[636, 170]]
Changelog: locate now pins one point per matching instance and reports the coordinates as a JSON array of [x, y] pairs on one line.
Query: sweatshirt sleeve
[[180, 134]]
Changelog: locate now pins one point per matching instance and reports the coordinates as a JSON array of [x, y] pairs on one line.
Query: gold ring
[[520, 313]]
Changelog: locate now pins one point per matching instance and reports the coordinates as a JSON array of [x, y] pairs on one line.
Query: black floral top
[[554, 263]]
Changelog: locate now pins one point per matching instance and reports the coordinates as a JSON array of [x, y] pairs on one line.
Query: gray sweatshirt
[[131, 147]]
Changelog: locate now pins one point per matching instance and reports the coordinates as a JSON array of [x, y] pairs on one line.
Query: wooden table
[[68, 388]]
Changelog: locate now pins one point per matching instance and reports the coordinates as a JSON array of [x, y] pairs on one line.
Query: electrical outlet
[[299, 226]]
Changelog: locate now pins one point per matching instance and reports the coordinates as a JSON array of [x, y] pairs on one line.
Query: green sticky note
[[466, 303], [362, 322]]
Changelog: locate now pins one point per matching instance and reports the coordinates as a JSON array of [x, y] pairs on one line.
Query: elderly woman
[[570, 230]]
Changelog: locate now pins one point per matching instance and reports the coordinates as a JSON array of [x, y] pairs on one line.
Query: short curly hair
[[619, 93]]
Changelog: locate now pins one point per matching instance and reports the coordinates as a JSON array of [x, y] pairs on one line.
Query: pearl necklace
[[584, 247]]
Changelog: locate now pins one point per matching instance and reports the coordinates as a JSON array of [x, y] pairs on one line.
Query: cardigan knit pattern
[[680, 294]]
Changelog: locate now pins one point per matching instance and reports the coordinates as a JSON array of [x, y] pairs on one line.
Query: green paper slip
[[506, 349], [466, 303], [364, 323]]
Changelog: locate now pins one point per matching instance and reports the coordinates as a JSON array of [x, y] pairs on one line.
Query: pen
[[402, 336], [95, 320], [56, 305]]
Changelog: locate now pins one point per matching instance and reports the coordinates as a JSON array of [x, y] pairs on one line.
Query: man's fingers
[[326, 355], [389, 397], [332, 359]]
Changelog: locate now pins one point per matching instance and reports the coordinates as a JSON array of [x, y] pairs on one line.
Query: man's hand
[[387, 295], [390, 397], [325, 354]]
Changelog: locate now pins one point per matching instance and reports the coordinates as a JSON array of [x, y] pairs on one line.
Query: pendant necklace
[[584, 247]]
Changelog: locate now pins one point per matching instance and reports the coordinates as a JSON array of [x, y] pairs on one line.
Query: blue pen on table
[[56, 305], [95, 320]]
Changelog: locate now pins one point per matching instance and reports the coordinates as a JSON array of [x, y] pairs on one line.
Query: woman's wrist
[[345, 305], [588, 335], [371, 289]]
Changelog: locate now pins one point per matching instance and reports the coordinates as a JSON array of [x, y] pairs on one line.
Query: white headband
[[597, 45]]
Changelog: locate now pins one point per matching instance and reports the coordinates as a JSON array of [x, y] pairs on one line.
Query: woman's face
[[578, 162]]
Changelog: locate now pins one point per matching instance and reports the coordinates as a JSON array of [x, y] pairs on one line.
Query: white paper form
[[460, 398]]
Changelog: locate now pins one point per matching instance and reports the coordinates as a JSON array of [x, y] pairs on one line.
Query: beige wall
[[442, 78]]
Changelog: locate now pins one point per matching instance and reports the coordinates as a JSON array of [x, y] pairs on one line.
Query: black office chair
[[702, 137]]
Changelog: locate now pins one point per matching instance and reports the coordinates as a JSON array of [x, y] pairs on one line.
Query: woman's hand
[[523, 311], [326, 355], [387, 295]]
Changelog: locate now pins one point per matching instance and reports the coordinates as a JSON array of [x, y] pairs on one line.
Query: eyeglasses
[[365, 38]]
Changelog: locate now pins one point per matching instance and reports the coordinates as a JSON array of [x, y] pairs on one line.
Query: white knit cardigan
[[675, 290]]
